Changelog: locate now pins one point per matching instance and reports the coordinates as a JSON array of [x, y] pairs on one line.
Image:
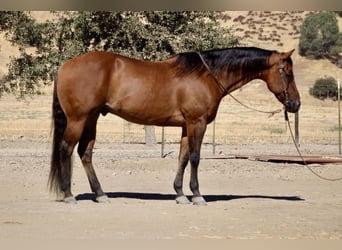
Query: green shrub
[[277, 131], [325, 88], [320, 36]]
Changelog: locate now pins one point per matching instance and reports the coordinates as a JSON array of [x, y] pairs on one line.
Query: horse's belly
[[148, 115]]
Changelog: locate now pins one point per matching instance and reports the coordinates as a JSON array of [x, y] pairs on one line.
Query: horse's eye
[[289, 74]]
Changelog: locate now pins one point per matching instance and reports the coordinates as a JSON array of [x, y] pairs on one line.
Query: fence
[[318, 122]]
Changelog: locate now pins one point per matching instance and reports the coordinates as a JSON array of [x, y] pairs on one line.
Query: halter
[[284, 80]]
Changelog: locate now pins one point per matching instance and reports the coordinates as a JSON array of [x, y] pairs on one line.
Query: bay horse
[[184, 90]]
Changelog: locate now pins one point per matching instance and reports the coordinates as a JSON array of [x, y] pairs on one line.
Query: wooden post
[[124, 131], [150, 135], [162, 143], [297, 128], [214, 135], [339, 114]]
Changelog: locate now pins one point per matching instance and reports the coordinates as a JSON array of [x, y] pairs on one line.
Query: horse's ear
[[276, 57], [287, 54]]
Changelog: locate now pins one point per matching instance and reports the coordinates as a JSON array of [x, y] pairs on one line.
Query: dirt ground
[[246, 199]]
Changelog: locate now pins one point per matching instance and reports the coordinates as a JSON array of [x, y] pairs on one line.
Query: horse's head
[[280, 81]]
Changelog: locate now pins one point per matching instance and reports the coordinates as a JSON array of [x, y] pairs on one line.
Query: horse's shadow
[[165, 197]]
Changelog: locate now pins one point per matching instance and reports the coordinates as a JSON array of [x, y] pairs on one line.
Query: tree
[[320, 36], [149, 35], [18, 28]]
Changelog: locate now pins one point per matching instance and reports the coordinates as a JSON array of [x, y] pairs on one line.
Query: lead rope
[[284, 80], [271, 113], [301, 156]]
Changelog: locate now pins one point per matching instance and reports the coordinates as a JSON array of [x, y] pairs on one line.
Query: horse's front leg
[[183, 160], [195, 136]]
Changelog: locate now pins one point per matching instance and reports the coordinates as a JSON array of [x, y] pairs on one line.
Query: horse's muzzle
[[292, 106]]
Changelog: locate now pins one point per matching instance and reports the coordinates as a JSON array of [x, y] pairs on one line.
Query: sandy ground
[[246, 199]]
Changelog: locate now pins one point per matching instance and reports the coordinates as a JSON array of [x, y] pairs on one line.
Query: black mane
[[250, 60]]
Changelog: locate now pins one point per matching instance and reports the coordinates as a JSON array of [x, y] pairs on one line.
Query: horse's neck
[[236, 80]]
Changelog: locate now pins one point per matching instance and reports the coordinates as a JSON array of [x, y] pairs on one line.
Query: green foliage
[[335, 129], [325, 88], [277, 131], [149, 35], [320, 36], [15, 21]]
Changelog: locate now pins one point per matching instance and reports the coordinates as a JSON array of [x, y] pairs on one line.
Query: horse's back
[[98, 64], [82, 65]]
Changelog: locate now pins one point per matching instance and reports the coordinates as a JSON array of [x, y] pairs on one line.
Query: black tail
[[59, 123]]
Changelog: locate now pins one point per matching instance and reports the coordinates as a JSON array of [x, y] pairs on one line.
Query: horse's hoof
[[70, 200], [199, 201], [102, 199], [182, 200]]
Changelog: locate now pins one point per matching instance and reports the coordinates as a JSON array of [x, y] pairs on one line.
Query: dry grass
[[234, 124]]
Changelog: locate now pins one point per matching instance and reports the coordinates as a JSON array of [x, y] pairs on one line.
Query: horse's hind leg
[[66, 149], [85, 151], [183, 160], [70, 138]]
